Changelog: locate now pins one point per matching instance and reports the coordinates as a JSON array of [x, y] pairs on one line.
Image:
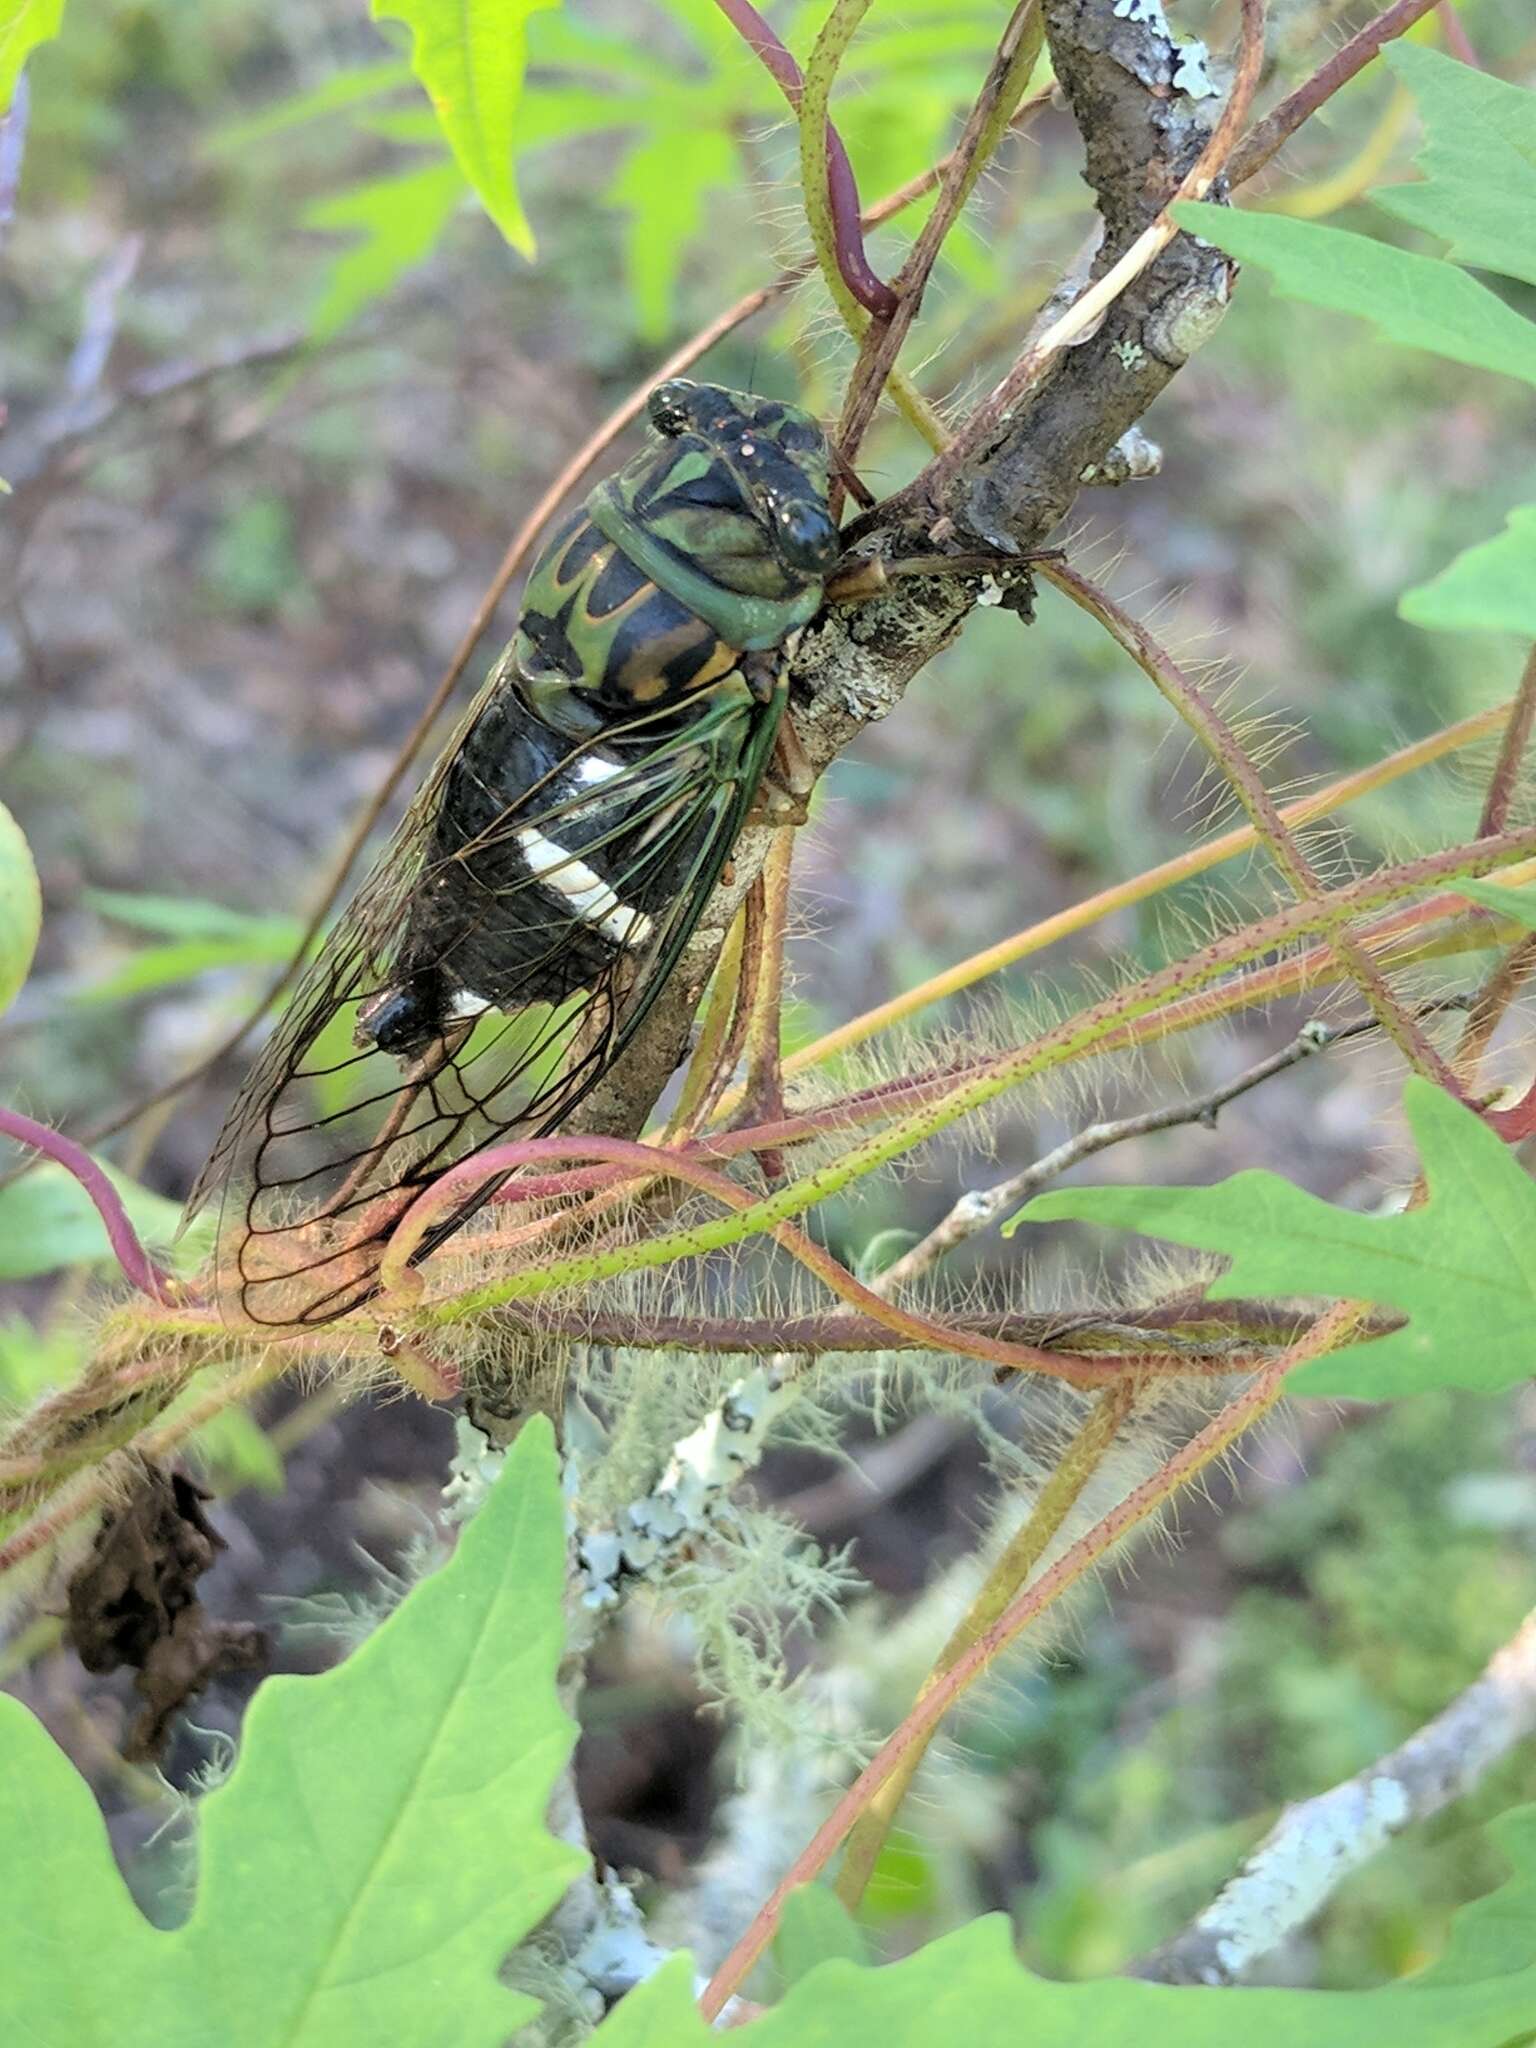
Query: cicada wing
[[479, 897]]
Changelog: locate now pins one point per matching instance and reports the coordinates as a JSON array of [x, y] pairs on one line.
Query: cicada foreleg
[[861, 577]]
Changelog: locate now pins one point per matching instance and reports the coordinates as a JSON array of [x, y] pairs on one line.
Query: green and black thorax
[[714, 542]]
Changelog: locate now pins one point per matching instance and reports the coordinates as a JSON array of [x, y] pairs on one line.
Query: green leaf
[[379, 1848], [47, 1220], [400, 220], [549, 113], [969, 1987], [1493, 1934], [816, 1927], [1516, 903], [21, 909], [203, 936], [270, 941], [1416, 301], [470, 55], [1462, 1267], [23, 25], [1478, 160], [664, 182], [350, 88], [1491, 588], [174, 917]]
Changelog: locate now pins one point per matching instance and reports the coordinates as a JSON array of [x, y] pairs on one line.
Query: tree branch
[[1316, 1844]]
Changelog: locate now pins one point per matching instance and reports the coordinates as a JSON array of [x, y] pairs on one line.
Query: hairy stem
[[1007, 1578]]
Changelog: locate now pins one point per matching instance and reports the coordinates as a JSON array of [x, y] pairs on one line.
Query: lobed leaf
[[1479, 162], [1462, 1267], [378, 1849], [400, 220], [969, 1987]]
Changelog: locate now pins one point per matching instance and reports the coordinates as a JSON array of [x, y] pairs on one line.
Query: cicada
[[516, 930]]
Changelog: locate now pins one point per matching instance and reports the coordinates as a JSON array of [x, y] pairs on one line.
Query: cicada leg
[[868, 576]]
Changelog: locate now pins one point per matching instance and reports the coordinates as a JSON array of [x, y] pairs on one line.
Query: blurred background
[[278, 394]]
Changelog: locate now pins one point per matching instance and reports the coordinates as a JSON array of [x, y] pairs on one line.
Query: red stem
[[136, 1263], [396, 1275], [870, 290]]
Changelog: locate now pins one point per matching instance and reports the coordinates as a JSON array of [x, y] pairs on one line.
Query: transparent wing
[[504, 949]]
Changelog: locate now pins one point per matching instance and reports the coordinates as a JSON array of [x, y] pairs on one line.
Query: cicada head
[[727, 510], [715, 540], [756, 469]]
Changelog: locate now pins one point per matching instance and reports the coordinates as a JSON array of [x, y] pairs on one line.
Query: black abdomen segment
[[537, 881]]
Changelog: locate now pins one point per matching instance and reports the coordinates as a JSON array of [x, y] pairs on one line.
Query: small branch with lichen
[[700, 1475], [1317, 1844]]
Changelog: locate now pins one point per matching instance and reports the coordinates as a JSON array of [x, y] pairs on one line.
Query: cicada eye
[[807, 538], [668, 405]]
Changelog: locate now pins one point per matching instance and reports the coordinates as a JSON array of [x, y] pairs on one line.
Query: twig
[[66, 424], [872, 292], [1316, 1845], [1267, 136], [975, 1211], [98, 326], [130, 1254]]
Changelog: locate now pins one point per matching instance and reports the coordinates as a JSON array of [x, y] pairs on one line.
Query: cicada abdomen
[[532, 905]]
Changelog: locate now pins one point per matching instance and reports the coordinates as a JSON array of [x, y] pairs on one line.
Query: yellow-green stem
[[1003, 1583], [820, 73]]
